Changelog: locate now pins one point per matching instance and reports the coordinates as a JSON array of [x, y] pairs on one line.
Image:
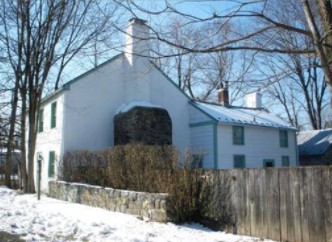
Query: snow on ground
[[54, 220]]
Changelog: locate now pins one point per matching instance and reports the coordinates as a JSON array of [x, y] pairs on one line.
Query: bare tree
[[298, 80], [317, 15], [39, 35], [200, 74]]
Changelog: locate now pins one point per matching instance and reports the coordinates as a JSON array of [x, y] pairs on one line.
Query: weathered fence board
[[327, 201], [295, 177], [283, 204], [304, 206], [290, 207], [247, 203], [283, 182], [273, 205]]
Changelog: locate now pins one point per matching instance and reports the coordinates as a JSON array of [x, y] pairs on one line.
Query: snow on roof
[[240, 115], [125, 107], [314, 142]]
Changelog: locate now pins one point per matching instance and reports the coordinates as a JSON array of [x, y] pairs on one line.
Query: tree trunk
[[32, 145], [10, 144], [23, 177]]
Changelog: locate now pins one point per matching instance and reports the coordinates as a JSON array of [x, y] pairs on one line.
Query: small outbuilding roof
[[242, 115], [314, 142]]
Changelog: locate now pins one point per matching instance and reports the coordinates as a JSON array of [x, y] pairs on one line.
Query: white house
[[80, 115]]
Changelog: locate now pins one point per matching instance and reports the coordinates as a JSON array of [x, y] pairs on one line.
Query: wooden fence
[[283, 204]]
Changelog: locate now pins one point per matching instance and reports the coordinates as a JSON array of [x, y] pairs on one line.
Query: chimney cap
[[137, 21]]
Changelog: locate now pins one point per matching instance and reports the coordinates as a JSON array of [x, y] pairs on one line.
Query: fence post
[[39, 161]]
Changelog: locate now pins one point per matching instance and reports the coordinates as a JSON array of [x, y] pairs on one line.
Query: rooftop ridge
[[231, 106]]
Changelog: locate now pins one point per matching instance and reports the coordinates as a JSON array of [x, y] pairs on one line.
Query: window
[[283, 135], [268, 163], [53, 115], [239, 161], [238, 135], [41, 121], [285, 160], [51, 160]]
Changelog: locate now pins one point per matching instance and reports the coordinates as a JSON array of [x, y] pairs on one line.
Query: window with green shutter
[[285, 160], [239, 161], [268, 163], [51, 161], [283, 135], [41, 121], [238, 135], [53, 115]]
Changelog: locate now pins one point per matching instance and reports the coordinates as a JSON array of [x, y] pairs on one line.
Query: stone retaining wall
[[150, 206]]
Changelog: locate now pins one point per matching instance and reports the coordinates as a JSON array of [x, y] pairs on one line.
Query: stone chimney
[[137, 42], [223, 95], [254, 100]]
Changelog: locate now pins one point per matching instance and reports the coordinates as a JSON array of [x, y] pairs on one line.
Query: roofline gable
[[171, 81], [192, 103], [67, 85]]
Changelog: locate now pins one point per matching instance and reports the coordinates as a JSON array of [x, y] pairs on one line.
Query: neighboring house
[[315, 147], [80, 115]]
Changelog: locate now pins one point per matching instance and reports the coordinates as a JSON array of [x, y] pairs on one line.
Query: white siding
[[202, 142], [259, 143]]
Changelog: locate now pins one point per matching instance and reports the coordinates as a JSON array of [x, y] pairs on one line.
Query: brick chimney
[[137, 42], [223, 95]]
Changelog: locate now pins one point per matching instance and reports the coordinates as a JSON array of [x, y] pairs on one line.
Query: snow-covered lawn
[[54, 220]]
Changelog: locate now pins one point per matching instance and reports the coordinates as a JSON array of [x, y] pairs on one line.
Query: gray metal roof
[[314, 142], [243, 116]]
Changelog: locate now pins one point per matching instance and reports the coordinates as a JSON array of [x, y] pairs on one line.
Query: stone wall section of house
[[151, 126], [147, 206]]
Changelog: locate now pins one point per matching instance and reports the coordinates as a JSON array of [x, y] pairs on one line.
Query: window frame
[[51, 164], [238, 140], [242, 161], [265, 161], [283, 161], [53, 114], [283, 138]]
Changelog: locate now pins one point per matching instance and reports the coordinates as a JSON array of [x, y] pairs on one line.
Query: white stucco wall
[[260, 143], [50, 139], [90, 104], [166, 95]]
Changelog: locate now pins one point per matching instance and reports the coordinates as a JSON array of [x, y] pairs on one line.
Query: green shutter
[[285, 160], [41, 121], [51, 160], [53, 115], [239, 161], [283, 137], [238, 135]]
